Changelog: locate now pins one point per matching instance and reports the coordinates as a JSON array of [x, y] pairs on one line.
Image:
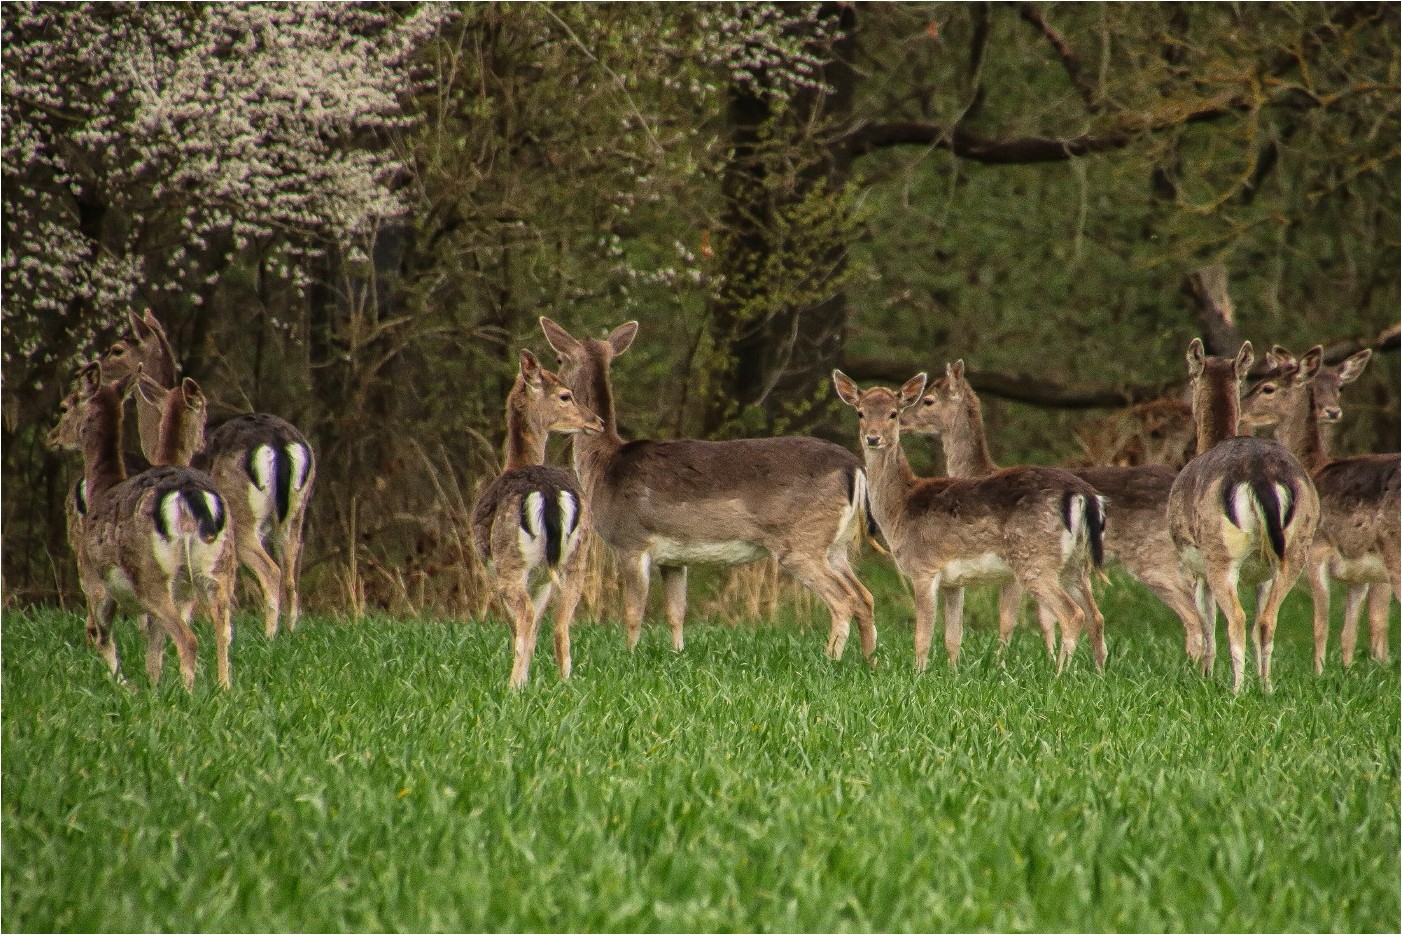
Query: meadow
[[376, 775]]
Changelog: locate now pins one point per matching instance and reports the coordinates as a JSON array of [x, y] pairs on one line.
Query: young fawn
[[159, 540], [531, 518], [1244, 511], [1136, 534], [1041, 527], [1358, 538], [264, 466], [682, 502]]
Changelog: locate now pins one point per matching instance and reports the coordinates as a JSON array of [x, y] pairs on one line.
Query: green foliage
[[378, 776]]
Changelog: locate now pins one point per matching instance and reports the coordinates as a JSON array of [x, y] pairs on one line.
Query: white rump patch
[[301, 460], [263, 461], [569, 523], [531, 539], [1076, 534], [1282, 497]]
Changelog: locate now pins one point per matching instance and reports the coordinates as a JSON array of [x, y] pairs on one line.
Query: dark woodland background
[[882, 187]]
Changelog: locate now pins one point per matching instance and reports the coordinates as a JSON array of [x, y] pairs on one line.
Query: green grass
[[377, 776]]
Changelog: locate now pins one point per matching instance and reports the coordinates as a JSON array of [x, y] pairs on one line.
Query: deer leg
[[1317, 574], [541, 600], [517, 597], [265, 571], [674, 600], [101, 635], [926, 600], [571, 586], [1009, 601], [1353, 609], [831, 588], [1207, 619], [219, 598], [1223, 584], [953, 624], [155, 648], [291, 565], [1379, 599], [1095, 620], [1176, 593], [1049, 594], [635, 569], [1267, 613], [162, 606], [861, 603]]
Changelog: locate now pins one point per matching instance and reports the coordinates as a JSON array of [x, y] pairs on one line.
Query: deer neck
[[1216, 412], [103, 466], [890, 481], [178, 437], [1299, 431], [592, 387], [966, 446], [525, 440]]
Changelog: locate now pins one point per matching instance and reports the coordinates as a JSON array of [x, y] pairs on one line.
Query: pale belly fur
[[665, 551], [985, 569]]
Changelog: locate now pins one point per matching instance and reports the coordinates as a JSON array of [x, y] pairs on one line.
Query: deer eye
[[1267, 389], [892, 415], [565, 397], [928, 401]]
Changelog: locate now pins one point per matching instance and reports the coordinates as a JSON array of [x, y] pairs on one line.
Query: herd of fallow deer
[[167, 531]]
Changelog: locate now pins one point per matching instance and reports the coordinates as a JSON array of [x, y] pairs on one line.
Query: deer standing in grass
[[1244, 511], [264, 466], [159, 540], [1041, 527], [671, 504], [1136, 534], [531, 518], [1358, 538]]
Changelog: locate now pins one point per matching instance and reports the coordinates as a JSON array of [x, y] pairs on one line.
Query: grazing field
[[378, 776]]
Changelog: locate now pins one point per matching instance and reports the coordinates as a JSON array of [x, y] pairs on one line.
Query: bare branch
[[1069, 59]]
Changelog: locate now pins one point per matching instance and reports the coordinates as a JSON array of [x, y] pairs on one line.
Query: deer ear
[[194, 396], [1279, 358], [621, 338], [1197, 358], [1352, 368], [955, 370], [846, 390], [1310, 364], [912, 390], [89, 379], [138, 326], [1244, 359], [530, 369], [560, 340], [150, 391]]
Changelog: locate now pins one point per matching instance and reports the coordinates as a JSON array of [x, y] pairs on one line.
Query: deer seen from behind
[[1243, 511], [674, 503], [1135, 534], [1359, 529], [531, 518], [263, 464], [159, 540], [1041, 527]]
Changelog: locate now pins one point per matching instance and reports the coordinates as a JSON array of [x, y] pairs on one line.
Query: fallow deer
[[1358, 538], [265, 467], [676, 503], [159, 540], [1041, 527], [531, 518], [1135, 534], [1243, 511]]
